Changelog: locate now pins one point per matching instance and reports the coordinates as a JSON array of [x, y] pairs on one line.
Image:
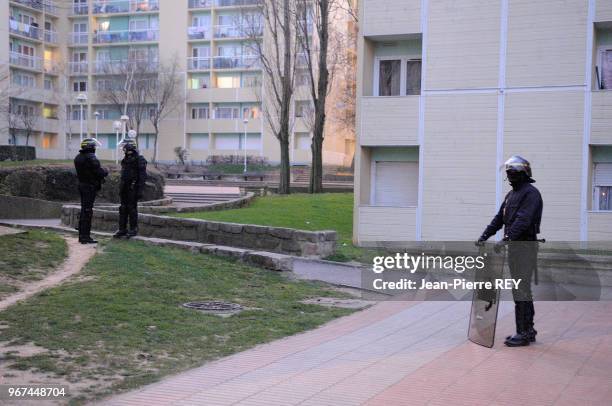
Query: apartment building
[[448, 90], [64, 55]]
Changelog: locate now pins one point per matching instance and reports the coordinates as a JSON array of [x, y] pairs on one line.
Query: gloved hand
[[499, 246], [480, 242]]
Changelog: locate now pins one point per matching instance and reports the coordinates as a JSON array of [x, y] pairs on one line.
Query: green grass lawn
[[28, 257], [328, 211], [121, 324]]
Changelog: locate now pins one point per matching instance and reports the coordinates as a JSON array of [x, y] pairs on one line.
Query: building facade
[[59, 50], [448, 90]]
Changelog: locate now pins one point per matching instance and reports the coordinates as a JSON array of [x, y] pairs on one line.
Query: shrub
[[17, 153]]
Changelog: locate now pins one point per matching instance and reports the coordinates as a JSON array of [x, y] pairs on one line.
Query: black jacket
[[520, 215], [134, 172], [88, 168]]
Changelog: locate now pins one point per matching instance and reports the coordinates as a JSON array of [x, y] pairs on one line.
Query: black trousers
[[88, 198], [129, 207], [523, 262]]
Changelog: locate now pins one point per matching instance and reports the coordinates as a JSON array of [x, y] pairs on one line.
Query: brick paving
[[406, 353]]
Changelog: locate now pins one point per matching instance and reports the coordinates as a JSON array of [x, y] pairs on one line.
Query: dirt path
[[78, 256]]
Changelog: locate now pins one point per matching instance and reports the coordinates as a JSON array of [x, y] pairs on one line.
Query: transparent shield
[[485, 302]]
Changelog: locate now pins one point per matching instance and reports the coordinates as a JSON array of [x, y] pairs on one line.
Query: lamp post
[[117, 125], [245, 121], [97, 115], [82, 99]]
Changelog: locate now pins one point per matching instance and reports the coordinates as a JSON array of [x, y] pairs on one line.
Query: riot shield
[[485, 302]]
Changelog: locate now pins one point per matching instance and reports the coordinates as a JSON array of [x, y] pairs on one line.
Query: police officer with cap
[[91, 176], [133, 177], [520, 215]]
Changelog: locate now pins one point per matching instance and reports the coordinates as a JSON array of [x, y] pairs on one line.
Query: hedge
[[60, 183], [17, 153]]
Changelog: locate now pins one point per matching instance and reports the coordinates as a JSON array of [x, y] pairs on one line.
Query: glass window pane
[[606, 70], [389, 78], [605, 201], [413, 78]]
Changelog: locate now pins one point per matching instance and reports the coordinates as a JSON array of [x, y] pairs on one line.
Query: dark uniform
[[91, 176], [133, 178], [520, 215]]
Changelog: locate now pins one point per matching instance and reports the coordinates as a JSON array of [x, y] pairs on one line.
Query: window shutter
[[396, 184], [602, 175]]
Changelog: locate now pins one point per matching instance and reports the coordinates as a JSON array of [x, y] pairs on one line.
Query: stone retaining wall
[[272, 239], [15, 207]]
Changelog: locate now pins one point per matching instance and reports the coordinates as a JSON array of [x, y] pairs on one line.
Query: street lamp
[[82, 99], [245, 121], [117, 125], [97, 114], [124, 120]]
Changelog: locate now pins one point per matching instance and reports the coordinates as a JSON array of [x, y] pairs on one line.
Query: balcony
[[79, 9], [198, 32], [125, 65], [25, 61], [78, 38], [236, 3], [125, 6], [50, 36], [389, 121], [199, 64], [236, 62], [78, 68], [50, 7], [25, 30], [35, 4], [51, 67], [112, 37], [236, 31], [200, 3]]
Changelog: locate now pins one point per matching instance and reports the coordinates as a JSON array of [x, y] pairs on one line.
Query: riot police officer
[[133, 177], [520, 215], [91, 176]]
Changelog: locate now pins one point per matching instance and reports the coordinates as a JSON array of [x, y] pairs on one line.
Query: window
[[198, 141], [104, 84], [395, 183], [251, 112], [253, 141], [605, 72], [200, 113], [49, 84], [199, 82], [79, 86], [228, 82], [251, 81], [602, 182], [227, 113], [398, 77], [303, 109], [138, 24], [227, 141], [302, 141], [50, 112], [24, 80]]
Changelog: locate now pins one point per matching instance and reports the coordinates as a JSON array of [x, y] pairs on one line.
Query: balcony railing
[[125, 6], [25, 30], [37, 4], [237, 31], [236, 3], [123, 66], [110, 37], [79, 9], [78, 68], [236, 62], [25, 61], [50, 36], [199, 32], [200, 3], [50, 7], [199, 64], [77, 38]]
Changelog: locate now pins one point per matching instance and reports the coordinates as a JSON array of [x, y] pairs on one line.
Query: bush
[[17, 153], [60, 183]]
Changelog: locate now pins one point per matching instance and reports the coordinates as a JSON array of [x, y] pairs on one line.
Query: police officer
[[520, 215], [133, 177], [91, 176]]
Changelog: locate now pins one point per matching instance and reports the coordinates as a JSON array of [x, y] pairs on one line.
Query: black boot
[[120, 234], [87, 240], [520, 339], [132, 233]]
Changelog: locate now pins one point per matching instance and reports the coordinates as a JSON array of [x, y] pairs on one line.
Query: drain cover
[[214, 306]]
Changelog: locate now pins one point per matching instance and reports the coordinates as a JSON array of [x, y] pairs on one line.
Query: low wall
[[272, 239], [159, 208], [15, 207]]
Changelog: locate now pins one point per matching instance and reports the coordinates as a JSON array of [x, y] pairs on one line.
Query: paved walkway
[[401, 353]]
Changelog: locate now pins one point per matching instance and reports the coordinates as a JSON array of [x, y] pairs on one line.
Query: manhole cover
[[214, 306]]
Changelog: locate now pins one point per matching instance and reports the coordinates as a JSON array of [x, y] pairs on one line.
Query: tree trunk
[[284, 185], [155, 144], [316, 169]]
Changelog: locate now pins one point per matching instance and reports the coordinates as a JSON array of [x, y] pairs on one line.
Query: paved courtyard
[[404, 353]]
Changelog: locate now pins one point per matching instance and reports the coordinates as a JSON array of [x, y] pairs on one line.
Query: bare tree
[[321, 60], [129, 90], [277, 57], [28, 120], [165, 96]]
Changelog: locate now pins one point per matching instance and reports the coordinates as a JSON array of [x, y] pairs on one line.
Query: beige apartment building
[[57, 50], [448, 90]]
